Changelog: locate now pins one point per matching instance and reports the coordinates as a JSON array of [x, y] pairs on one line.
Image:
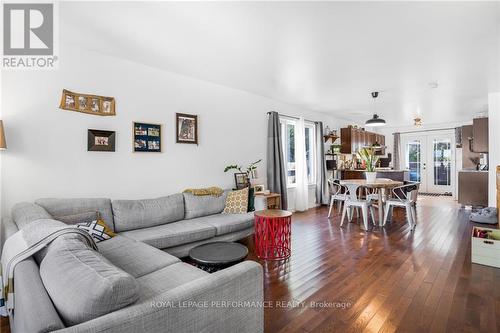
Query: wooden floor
[[386, 280]]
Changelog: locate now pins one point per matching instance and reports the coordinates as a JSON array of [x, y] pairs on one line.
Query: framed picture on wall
[[146, 137], [186, 128], [85, 103], [99, 140]]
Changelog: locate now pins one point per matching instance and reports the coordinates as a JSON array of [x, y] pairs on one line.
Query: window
[[288, 130], [310, 156], [288, 139]]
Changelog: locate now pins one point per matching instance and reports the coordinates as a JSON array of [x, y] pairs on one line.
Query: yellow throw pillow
[[237, 202], [97, 229]]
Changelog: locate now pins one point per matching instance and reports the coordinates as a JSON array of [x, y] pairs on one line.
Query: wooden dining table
[[381, 184]]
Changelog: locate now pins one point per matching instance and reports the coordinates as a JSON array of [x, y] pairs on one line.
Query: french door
[[430, 157]]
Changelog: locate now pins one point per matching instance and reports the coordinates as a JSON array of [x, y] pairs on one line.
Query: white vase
[[371, 176]]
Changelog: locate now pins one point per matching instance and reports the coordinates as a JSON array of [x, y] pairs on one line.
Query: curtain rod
[[294, 117], [429, 130]]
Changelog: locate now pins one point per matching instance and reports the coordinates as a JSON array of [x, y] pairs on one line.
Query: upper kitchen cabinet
[[480, 135], [352, 139]]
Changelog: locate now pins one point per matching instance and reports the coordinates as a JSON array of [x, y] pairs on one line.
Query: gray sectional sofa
[[136, 282]]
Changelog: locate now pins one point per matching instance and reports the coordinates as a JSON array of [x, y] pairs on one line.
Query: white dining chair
[[354, 202], [338, 193], [404, 196]]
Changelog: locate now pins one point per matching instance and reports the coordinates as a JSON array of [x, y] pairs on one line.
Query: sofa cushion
[[134, 257], [78, 218], [24, 213], [82, 283], [64, 207], [172, 234], [227, 223], [137, 214], [203, 205], [167, 278]]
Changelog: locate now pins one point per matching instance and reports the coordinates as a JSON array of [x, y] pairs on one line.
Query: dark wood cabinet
[[480, 135], [352, 139]]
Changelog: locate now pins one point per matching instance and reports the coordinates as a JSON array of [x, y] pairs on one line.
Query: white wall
[[48, 156], [494, 147]]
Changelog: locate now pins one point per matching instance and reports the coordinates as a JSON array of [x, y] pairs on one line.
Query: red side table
[[273, 234]]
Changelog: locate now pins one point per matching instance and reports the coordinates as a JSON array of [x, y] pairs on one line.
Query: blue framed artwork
[[147, 137]]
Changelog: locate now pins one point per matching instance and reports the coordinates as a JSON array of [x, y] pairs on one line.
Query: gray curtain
[[397, 150], [276, 171], [321, 182]]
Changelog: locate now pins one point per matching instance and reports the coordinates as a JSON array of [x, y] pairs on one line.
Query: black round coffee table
[[212, 257]]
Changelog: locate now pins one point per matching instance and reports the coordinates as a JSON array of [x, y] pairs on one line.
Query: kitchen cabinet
[[352, 139], [470, 159], [473, 188], [480, 135]]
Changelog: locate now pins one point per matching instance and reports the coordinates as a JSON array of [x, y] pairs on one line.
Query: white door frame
[[431, 187], [426, 139]]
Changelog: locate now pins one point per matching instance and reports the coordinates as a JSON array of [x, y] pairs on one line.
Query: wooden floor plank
[[395, 280]]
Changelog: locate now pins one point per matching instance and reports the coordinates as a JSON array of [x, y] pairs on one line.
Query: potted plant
[[250, 172], [367, 155]]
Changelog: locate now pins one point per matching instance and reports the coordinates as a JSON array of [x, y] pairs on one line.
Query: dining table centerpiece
[[367, 155]]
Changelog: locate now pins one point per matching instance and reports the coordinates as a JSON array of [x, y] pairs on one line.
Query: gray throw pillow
[[78, 218], [82, 284]]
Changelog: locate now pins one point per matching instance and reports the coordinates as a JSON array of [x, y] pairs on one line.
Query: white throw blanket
[[23, 244]]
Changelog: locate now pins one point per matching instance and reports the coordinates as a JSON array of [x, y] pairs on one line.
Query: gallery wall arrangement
[[85, 103], [147, 137]]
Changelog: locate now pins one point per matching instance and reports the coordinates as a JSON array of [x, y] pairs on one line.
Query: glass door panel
[[415, 159], [442, 171]]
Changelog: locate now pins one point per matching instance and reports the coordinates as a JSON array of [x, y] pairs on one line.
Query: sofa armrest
[[7, 229], [34, 311], [229, 300]]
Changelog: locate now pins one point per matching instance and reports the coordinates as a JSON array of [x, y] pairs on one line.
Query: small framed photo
[[146, 137], [259, 189], [108, 106], [83, 103], [241, 180], [186, 128], [99, 140], [70, 101], [95, 105]]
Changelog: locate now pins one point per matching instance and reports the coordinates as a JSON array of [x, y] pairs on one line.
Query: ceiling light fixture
[[375, 121]]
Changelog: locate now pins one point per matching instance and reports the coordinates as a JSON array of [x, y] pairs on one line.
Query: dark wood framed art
[[99, 140], [186, 128], [146, 137], [241, 180]]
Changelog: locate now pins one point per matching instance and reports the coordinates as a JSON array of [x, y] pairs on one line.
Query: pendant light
[[375, 121]]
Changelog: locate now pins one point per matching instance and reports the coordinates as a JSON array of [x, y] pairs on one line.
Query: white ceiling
[[323, 56]]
